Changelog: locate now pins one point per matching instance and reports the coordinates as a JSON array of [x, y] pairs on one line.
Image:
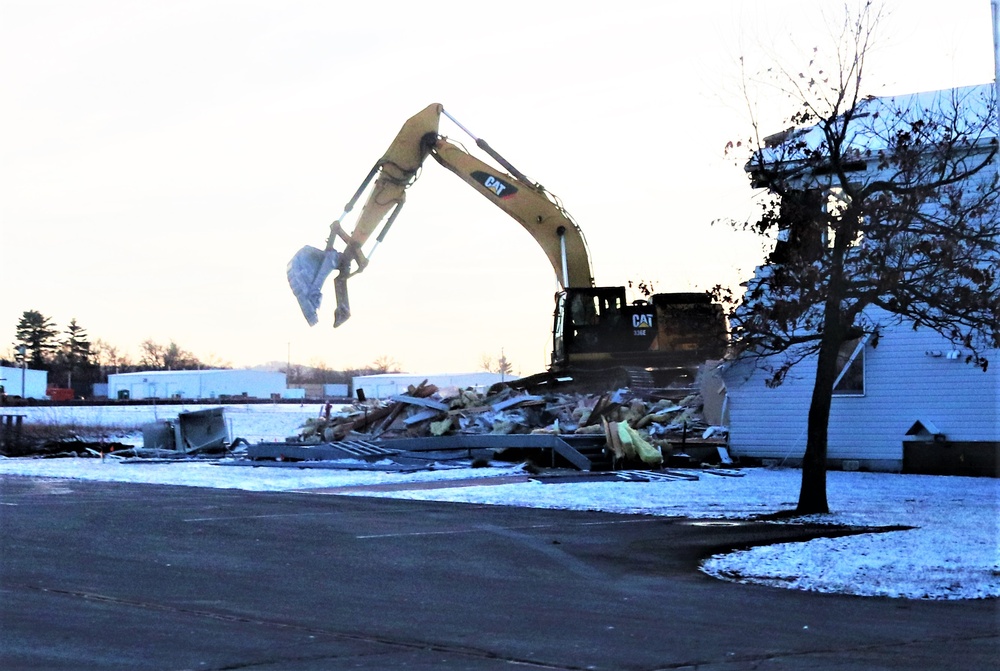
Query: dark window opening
[[851, 382]]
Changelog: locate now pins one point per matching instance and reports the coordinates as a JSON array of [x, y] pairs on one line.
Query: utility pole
[[995, 6], [22, 350]]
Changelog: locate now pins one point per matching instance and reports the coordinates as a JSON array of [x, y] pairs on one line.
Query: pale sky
[[162, 161]]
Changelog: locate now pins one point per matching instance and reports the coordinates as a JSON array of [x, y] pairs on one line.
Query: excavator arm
[[524, 200], [393, 174]]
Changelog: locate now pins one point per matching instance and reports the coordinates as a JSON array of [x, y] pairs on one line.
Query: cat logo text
[[499, 187]]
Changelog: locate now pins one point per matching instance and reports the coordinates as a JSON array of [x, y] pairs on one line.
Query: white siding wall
[[767, 423], [902, 385], [197, 384]]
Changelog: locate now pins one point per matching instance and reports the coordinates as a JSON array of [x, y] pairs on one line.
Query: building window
[[851, 368]]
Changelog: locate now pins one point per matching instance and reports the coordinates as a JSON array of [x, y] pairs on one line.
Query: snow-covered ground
[[254, 422], [952, 551]]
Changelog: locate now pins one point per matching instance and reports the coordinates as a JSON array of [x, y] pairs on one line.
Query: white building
[[907, 399], [32, 384], [911, 377], [197, 384], [390, 384]]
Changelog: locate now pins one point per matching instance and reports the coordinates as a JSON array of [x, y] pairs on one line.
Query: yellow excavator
[[597, 336]]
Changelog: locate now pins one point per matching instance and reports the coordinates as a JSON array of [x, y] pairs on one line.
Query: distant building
[[320, 391], [34, 382], [197, 384], [390, 384]]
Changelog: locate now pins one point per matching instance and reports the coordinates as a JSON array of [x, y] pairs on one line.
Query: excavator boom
[[533, 207], [525, 201]]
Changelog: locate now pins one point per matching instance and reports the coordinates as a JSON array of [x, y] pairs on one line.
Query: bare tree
[[154, 356], [215, 361], [884, 210], [109, 357], [296, 374], [384, 364], [151, 355]]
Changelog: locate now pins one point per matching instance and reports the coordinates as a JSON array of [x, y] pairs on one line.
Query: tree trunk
[[812, 494]]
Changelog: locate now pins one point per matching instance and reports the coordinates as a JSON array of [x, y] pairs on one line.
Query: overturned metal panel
[[348, 449], [578, 451], [584, 453], [159, 435], [198, 430], [202, 429]]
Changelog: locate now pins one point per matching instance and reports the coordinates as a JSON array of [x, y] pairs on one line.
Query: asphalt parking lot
[[124, 576]]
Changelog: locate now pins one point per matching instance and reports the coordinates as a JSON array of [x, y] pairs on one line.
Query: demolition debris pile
[[634, 428]]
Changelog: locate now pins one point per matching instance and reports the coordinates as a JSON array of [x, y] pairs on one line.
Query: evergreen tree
[[75, 359], [37, 333], [501, 365]]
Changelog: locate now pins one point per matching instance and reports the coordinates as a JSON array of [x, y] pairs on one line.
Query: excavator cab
[[596, 328], [592, 322]]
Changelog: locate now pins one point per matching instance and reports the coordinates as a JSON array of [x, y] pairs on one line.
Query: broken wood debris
[[636, 430]]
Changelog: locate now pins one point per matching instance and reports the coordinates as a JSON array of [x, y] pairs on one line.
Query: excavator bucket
[[307, 271]]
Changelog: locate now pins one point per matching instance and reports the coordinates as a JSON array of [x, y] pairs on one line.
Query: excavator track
[[640, 381]]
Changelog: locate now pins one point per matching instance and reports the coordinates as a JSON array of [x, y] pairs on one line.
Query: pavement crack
[[357, 637], [741, 661]]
